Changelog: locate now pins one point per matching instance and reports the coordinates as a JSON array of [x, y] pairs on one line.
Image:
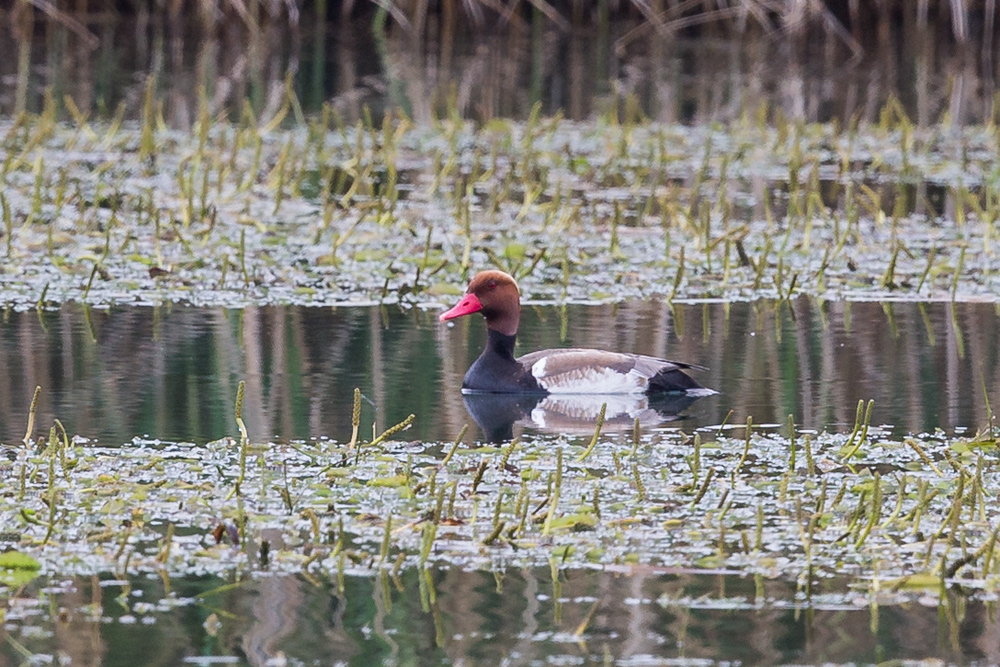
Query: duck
[[496, 296]]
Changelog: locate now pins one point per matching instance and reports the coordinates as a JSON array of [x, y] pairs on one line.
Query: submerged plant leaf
[[17, 560], [925, 581], [574, 521], [391, 481]]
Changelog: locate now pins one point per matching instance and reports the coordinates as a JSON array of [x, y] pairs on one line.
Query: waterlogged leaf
[[627, 521], [847, 449], [563, 551], [579, 164], [181, 485], [711, 562], [17, 560], [479, 450], [17, 569], [392, 481], [865, 485], [916, 582], [574, 521], [371, 255], [883, 469], [17, 578], [113, 506], [960, 446]]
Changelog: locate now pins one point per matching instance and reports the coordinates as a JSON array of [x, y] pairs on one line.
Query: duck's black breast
[[496, 371]]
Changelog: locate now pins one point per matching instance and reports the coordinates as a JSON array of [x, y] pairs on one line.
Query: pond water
[[172, 372], [521, 617]]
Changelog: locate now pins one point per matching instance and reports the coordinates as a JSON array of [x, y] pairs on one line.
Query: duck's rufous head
[[495, 295]]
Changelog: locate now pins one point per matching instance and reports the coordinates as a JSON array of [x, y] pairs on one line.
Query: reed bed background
[[682, 60]]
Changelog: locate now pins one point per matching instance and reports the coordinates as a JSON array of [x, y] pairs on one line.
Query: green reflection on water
[[171, 373], [643, 618]]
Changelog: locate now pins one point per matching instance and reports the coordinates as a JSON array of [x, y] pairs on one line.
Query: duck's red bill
[[469, 304]]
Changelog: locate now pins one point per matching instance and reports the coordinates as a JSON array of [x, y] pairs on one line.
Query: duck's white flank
[[588, 379]]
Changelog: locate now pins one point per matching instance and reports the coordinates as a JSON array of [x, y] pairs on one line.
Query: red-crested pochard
[[561, 371]]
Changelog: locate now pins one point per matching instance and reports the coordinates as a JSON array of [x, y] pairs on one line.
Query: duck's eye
[[492, 285]]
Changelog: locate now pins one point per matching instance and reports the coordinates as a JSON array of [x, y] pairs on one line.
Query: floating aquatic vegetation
[[326, 213], [910, 513]]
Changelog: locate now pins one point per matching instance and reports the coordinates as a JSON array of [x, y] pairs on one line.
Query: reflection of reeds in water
[[668, 59], [174, 375]]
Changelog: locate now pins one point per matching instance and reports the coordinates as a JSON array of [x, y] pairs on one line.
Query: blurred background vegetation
[[671, 60]]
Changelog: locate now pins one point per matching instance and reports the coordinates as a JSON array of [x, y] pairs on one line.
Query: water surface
[[172, 372], [521, 617]]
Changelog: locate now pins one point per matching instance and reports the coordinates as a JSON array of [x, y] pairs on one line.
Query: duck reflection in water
[[576, 414]]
